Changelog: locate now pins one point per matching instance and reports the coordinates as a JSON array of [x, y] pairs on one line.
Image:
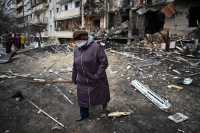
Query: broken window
[[77, 4], [194, 16], [154, 21], [50, 13], [97, 23], [66, 7]]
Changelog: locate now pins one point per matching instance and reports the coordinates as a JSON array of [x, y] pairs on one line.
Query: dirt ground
[[153, 68]]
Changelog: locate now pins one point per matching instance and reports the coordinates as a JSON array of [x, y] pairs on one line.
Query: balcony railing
[[19, 4], [40, 21], [72, 13], [40, 8]]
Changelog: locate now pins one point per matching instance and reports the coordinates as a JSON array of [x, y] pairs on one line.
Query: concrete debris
[[69, 69], [180, 131], [179, 88], [176, 71], [118, 30], [187, 81], [6, 76], [163, 104], [39, 80], [7, 131], [178, 117], [126, 54], [188, 47], [20, 95], [128, 67], [188, 62], [56, 127], [50, 71], [14, 75], [119, 114], [128, 78], [43, 81]]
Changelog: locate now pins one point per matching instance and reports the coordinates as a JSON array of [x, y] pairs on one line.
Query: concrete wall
[[179, 23]]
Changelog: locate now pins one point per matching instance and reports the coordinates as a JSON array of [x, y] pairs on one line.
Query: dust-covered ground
[[153, 68]]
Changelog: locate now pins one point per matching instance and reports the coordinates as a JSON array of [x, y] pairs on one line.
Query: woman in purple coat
[[90, 63]]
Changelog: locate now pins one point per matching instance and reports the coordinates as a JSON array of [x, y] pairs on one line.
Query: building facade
[[67, 18], [60, 18]]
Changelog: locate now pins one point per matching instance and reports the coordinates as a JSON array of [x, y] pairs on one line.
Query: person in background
[[17, 41], [8, 42], [22, 40], [89, 73]]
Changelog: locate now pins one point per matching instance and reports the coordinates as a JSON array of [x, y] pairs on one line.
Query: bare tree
[[6, 23]]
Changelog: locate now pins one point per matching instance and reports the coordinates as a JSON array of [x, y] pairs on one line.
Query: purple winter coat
[[90, 76], [17, 41]]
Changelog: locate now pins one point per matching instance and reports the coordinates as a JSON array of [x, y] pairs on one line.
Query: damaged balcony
[[42, 21], [94, 8], [69, 14], [40, 8], [20, 4]]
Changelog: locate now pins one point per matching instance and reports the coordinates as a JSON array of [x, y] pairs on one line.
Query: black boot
[[84, 113]]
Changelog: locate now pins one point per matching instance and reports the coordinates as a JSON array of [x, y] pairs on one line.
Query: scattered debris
[[20, 96], [180, 131], [50, 71], [45, 113], [178, 117], [118, 114], [56, 127], [6, 76], [187, 81], [126, 54], [39, 80], [128, 67], [163, 104], [43, 81], [49, 67], [177, 72], [7, 131], [179, 88], [69, 69], [10, 75], [5, 58], [64, 95]]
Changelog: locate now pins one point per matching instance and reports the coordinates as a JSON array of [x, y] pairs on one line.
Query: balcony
[[39, 21], [69, 14], [62, 34], [19, 15], [20, 4], [40, 8]]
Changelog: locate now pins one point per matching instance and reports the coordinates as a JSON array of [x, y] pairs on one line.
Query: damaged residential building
[[183, 17], [114, 15], [95, 14], [146, 17], [20, 13], [121, 19], [39, 19], [152, 16], [67, 19], [31, 16]]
